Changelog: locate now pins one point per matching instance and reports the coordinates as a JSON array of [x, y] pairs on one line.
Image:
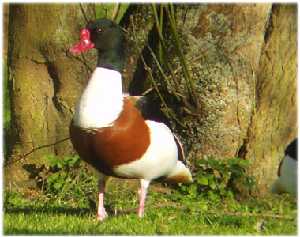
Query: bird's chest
[[107, 148], [101, 102]]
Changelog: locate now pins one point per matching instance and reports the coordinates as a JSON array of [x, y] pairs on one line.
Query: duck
[[286, 181], [108, 130]]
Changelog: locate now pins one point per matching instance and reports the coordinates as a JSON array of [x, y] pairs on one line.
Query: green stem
[[160, 69], [169, 114], [115, 12], [161, 22], [187, 76], [162, 43]]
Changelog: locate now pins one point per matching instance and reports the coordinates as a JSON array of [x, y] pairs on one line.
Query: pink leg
[[142, 195], [101, 213]]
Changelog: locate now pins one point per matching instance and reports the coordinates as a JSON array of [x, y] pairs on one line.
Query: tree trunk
[[44, 80], [274, 121], [223, 51]]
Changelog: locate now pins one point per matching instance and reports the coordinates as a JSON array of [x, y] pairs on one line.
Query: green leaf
[[57, 185], [192, 190], [202, 180], [122, 11], [213, 196], [212, 184], [59, 164], [113, 11], [203, 206], [71, 161]]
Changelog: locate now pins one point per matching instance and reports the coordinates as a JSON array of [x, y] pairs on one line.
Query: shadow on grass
[[49, 210], [66, 210]]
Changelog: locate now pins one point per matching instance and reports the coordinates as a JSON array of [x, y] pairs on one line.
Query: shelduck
[[287, 171], [109, 132]]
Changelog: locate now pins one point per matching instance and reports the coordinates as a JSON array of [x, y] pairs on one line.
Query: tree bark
[[44, 80], [227, 40], [274, 122]]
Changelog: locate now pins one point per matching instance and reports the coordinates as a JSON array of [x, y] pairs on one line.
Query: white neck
[[101, 101]]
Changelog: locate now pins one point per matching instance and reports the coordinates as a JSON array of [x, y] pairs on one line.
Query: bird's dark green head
[[108, 38], [106, 35]]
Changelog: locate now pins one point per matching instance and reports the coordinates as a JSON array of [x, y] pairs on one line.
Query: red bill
[[84, 44]]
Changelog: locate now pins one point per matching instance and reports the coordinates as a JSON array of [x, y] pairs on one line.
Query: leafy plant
[[66, 178], [216, 179], [12, 199]]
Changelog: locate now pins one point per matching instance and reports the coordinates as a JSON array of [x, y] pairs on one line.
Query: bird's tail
[[180, 174]]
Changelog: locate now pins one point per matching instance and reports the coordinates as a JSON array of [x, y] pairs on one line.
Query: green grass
[[162, 221], [167, 212]]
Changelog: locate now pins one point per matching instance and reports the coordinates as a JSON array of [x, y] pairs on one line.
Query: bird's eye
[[99, 30]]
